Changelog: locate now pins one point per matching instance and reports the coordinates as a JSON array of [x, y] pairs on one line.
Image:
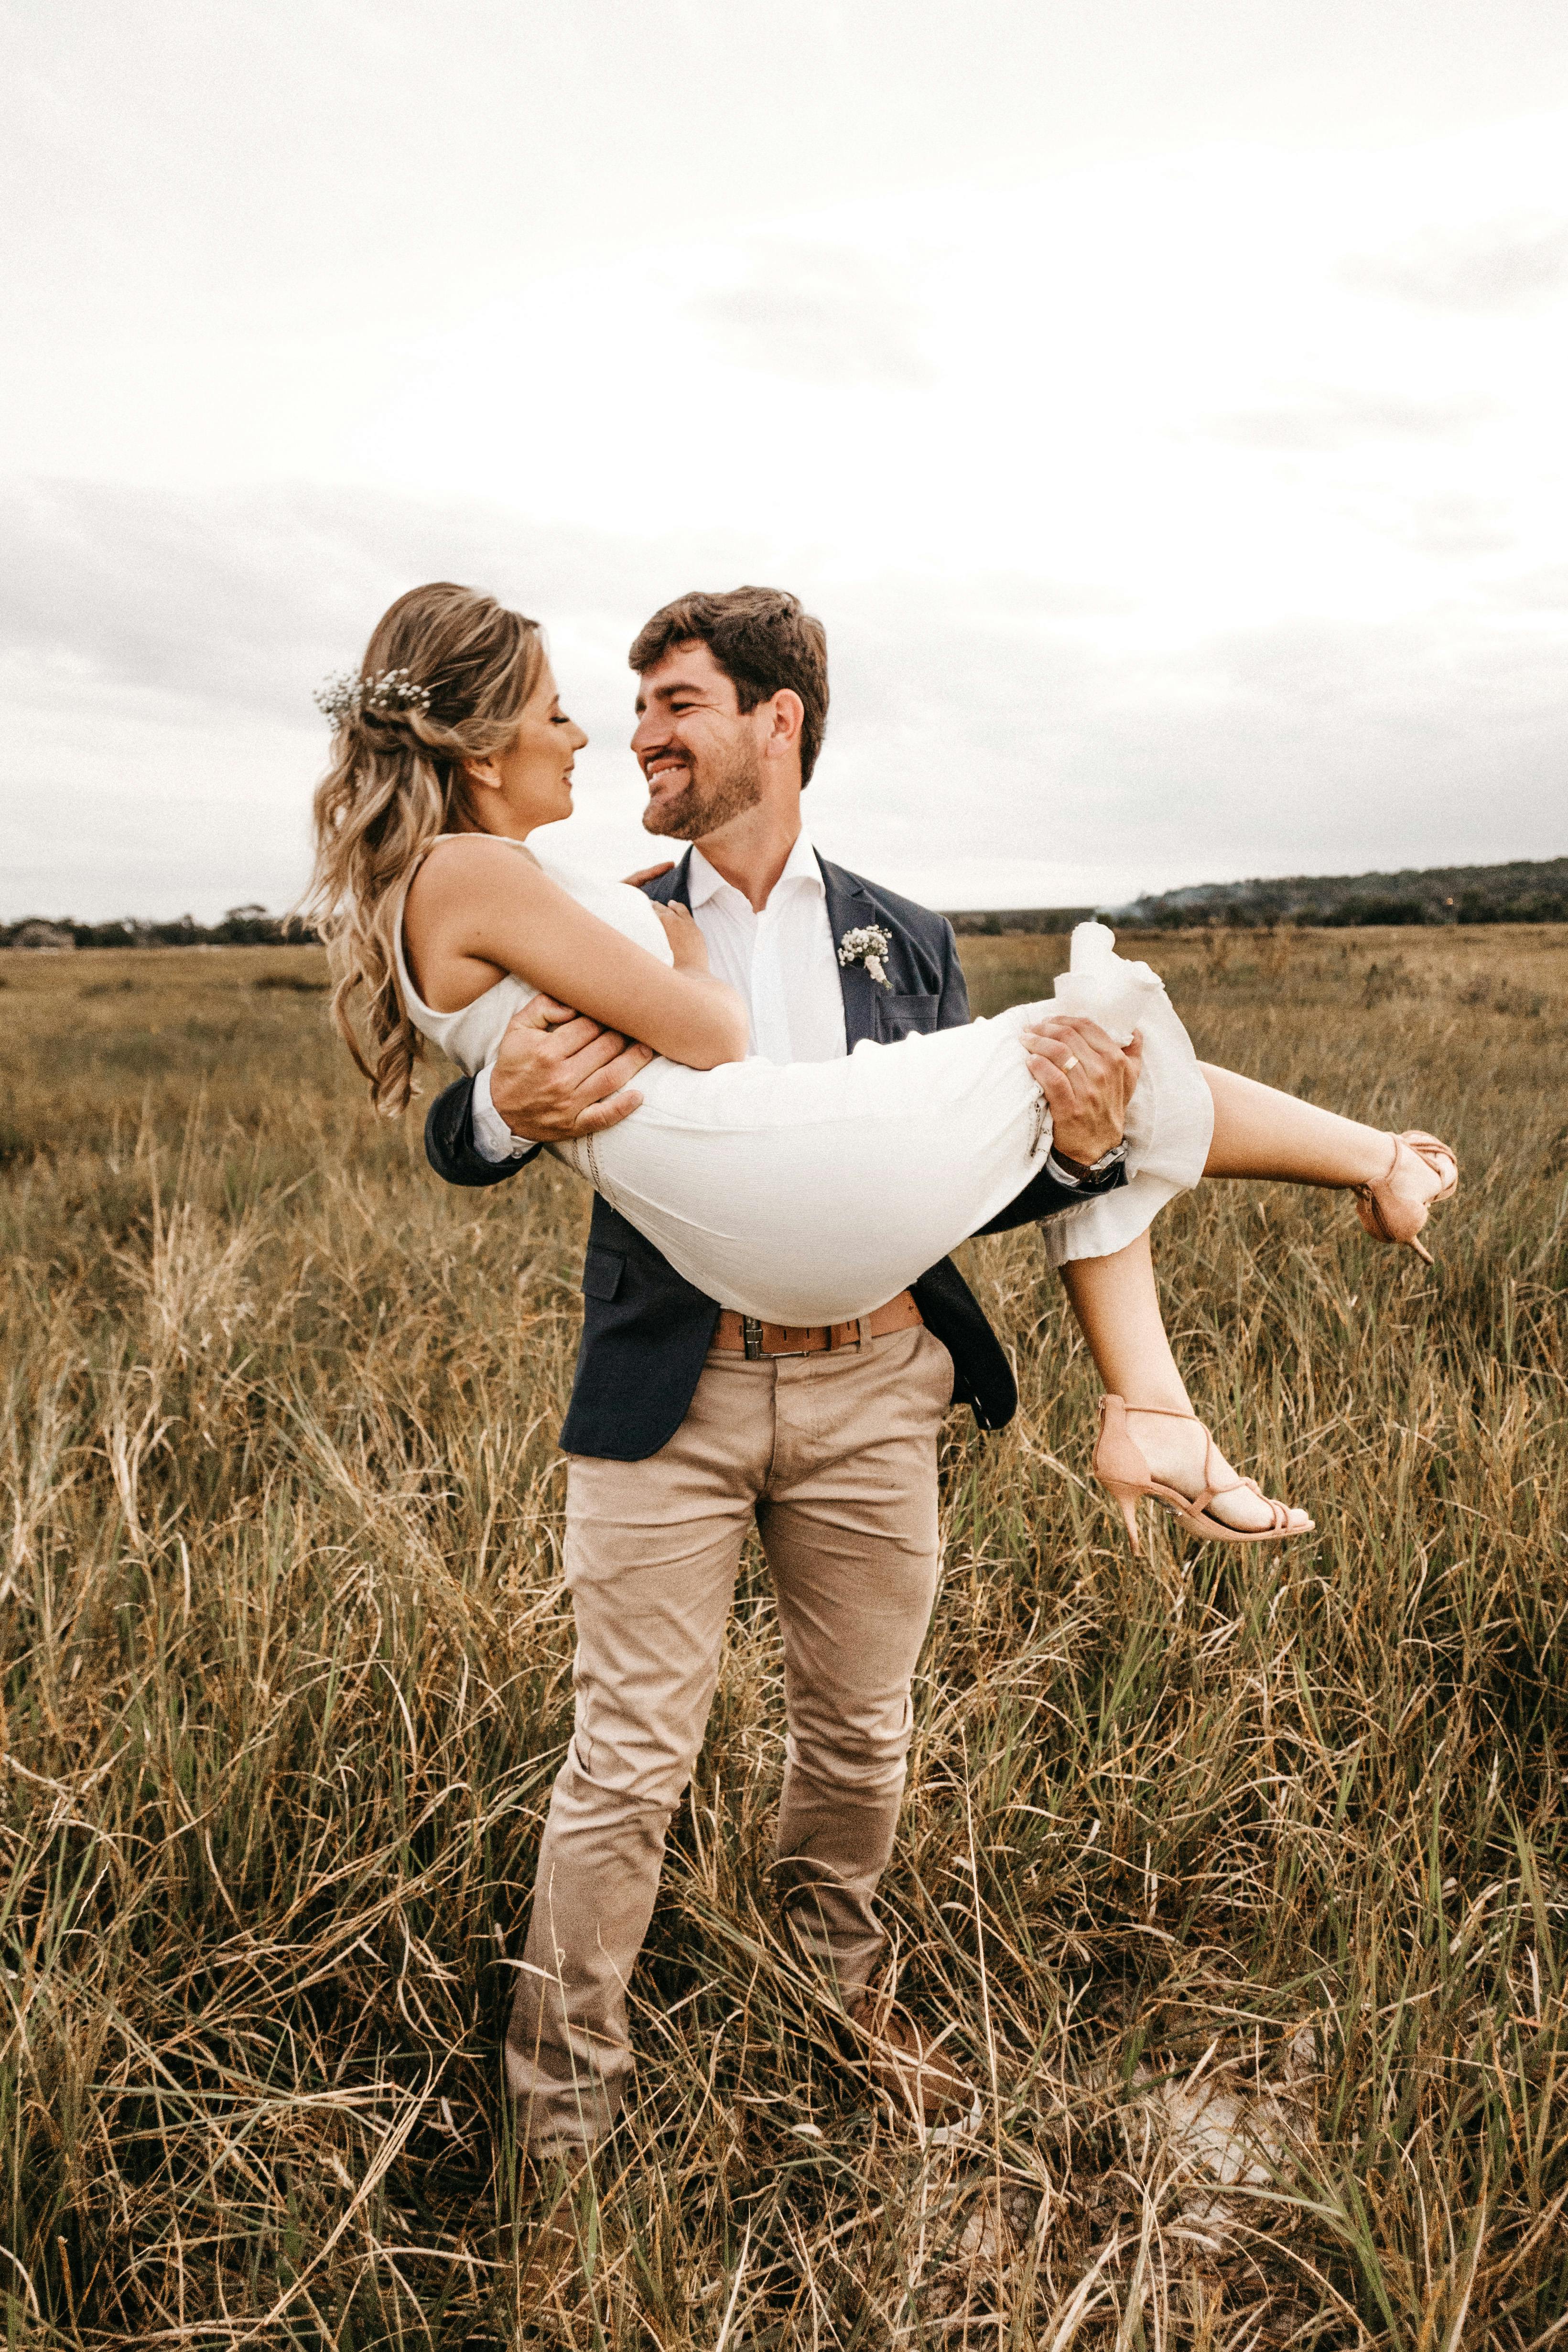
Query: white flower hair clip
[[346, 694], [869, 945]]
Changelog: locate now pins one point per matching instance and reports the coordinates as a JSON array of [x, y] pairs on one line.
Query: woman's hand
[[687, 943]]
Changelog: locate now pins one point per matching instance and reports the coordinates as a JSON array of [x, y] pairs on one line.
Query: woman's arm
[[477, 911]]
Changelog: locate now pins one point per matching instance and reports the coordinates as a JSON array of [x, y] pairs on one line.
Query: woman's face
[[529, 782]]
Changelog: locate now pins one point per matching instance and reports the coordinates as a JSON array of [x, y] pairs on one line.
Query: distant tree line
[[999, 922], [1526, 891], [1523, 892], [242, 927]]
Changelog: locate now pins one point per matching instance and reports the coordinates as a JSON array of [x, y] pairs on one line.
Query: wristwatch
[[1076, 1177]]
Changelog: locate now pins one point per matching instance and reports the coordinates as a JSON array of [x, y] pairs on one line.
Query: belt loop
[[751, 1335]]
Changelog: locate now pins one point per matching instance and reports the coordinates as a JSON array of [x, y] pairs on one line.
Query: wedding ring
[[1071, 1062]]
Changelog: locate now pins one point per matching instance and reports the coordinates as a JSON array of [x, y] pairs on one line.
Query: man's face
[[700, 753]]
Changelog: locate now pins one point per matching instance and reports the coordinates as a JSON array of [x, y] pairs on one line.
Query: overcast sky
[[1160, 401]]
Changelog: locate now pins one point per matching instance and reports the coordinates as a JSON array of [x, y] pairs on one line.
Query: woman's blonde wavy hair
[[395, 782]]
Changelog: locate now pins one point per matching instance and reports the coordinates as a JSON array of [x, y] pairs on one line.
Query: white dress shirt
[[782, 962]]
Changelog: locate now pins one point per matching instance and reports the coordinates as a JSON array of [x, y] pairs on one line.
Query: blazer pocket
[[905, 1016], [601, 1271]]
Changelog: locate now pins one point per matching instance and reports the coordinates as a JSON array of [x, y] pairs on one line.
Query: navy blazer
[[647, 1330]]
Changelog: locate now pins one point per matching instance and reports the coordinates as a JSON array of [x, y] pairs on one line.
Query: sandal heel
[[1129, 1502]]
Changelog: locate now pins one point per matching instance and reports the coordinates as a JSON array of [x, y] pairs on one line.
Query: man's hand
[[1087, 1080], [559, 1074]]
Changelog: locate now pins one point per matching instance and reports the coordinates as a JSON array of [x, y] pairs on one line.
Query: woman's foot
[[1153, 1450], [1181, 1453], [1421, 1172]]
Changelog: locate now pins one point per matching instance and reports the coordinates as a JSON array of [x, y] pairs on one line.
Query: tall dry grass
[[1196, 1847]]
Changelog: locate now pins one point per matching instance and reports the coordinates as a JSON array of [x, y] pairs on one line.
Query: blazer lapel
[[848, 908], [672, 889]]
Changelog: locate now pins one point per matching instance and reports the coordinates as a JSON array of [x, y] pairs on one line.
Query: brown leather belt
[[744, 1335]]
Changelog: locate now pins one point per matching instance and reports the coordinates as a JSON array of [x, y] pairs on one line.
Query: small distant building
[[43, 938]]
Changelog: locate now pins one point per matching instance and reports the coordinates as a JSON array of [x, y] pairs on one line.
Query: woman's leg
[[1117, 1311], [1259, 1133]]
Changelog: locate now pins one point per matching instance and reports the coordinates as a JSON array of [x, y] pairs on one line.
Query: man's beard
[[709, 800]]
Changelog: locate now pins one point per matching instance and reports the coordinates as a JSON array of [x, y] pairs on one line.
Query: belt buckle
[[751, 1340]]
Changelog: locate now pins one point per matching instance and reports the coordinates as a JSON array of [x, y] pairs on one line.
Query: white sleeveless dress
[[811, 1191]]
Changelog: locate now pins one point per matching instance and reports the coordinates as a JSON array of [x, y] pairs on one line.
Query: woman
[[803, 1194]]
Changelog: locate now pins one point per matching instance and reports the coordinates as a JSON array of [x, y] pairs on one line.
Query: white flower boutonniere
[[869, 945]]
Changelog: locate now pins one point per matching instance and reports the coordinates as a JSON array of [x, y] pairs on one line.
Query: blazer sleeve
[[1042, 1197], [449, 1144]]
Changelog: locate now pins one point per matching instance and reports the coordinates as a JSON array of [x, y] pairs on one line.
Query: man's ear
[[788, 717]]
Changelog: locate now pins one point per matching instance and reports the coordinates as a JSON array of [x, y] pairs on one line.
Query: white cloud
[[1497, 266], [822, 315], [1325, 419]]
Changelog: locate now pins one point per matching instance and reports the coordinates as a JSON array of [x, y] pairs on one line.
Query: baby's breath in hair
[[348, 692]]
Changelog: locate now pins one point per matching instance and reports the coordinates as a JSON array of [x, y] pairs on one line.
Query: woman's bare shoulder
[[468, 864]]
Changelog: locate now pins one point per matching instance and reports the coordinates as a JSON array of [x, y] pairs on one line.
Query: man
[[688, 1421]]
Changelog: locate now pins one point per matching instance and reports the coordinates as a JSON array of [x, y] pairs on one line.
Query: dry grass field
[[1245, 1874]]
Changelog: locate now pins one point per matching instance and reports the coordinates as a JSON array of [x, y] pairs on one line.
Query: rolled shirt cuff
[[493, 1140]]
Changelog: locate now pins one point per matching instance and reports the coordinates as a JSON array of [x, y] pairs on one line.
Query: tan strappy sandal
[[1119, 1466], [1391, 1209]]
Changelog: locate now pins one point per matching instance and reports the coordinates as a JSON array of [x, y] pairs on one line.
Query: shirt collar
[[704, 881]]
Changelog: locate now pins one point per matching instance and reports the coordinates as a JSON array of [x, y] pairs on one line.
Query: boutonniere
[[869, 945]]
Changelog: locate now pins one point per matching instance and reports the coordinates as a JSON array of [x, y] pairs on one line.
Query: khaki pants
[[836, 1458]]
